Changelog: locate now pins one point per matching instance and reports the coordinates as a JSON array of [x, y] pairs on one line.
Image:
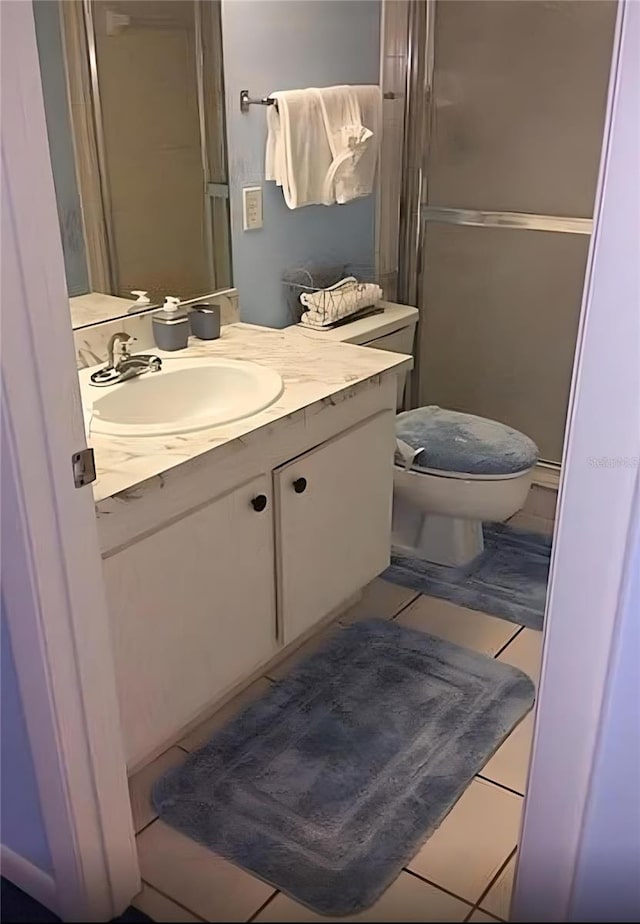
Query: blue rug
[[328, 785], [509, 579]]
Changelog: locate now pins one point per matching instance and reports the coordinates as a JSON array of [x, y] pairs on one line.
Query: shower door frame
[[415, 212]]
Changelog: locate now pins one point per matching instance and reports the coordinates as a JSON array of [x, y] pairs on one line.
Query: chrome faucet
[[123, 365]]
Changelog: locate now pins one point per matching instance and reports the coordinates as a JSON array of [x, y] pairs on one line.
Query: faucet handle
[[122, 347], [117, 348]]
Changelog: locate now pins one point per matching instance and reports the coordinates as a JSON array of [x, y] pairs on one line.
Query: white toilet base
[[443, 540], [439, 518]]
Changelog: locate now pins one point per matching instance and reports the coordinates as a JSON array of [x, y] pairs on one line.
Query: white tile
[[380, 600], [140, 786], [510, 763], [473, 841], [200, 735], [457, 624], [160, 908], [479, 915], [525, 652], [307, 648], [498, 899], [406, 899], [197, 878]]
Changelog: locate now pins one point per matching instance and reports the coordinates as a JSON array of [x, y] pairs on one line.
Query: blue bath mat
[[328, 785], [509, 579]]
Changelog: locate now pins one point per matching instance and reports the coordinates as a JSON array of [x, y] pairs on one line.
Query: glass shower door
[[516, 119]]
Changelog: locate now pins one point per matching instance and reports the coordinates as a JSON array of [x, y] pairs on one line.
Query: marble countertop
[[312, 372]]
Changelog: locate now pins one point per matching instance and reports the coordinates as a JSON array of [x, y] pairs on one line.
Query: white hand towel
[[298, 155], [353, 122]]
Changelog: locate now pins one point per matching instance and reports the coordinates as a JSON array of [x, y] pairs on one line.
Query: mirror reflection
[[134, 103]]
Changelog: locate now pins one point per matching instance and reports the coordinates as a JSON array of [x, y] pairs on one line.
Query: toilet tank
[[393, 329]]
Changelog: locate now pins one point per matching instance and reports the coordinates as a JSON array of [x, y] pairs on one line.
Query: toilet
[[453, 470]]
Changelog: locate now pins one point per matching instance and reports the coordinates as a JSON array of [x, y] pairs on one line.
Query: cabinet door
[[333, 522], [193, 611]]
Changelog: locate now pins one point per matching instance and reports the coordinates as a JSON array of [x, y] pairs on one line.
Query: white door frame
[[52, 578], [51, 569]]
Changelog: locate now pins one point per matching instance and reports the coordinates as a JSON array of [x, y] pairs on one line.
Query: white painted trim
[[52, 577], [546, 476], [28, 877], [594, 517]]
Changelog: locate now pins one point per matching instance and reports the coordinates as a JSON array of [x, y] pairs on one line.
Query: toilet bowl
[[465, 469], [438, 516]]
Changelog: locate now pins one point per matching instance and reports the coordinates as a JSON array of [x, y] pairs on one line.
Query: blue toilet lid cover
[[454, 442]]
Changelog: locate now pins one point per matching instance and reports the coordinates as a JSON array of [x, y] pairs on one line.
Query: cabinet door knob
[[300, 485], [259, 502]]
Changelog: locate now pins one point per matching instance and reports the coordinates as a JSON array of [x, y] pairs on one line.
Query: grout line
[[406, 606], [435, 885], [513, 638], [263, 906], [494, 880], [171, 899], [482, 911], [487, 779], [148, 825]]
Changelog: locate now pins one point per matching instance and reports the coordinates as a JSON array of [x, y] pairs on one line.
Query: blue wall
[[54, 88], [22, 823], [281, 45]]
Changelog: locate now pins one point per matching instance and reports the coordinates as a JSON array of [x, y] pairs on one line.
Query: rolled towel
[[327, 306]]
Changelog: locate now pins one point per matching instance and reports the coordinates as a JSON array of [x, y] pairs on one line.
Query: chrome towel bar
[[246, 100]]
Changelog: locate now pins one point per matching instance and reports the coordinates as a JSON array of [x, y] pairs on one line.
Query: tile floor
[[465, 870]]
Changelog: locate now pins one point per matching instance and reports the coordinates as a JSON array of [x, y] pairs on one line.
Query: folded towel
[[327, 306], [298, 153], [322, 144]]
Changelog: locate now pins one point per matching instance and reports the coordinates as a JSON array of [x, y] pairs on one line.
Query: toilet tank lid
[[455, 442]]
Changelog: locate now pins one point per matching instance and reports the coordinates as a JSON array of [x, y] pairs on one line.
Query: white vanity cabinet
[[333, 509], [212, 572], [192, 611]]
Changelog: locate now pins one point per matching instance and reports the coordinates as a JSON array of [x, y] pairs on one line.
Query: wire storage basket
[[320, 280]]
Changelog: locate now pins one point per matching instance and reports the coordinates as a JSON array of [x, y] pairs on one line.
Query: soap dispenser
[[141, 302], [171, 325]]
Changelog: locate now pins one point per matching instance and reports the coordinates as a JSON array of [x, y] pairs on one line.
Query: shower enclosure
[[504, 118]]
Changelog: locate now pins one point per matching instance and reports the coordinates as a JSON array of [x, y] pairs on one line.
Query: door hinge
[[84, 467]]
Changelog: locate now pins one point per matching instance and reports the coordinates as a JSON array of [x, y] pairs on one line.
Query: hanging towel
[[323, 144], [298, 155], [353, 122]]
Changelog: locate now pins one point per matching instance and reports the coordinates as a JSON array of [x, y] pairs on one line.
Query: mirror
[[134, 103]]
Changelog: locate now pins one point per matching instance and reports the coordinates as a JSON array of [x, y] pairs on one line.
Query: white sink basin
[[186, 395]]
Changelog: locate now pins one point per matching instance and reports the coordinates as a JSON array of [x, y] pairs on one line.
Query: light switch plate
[[251, 208]]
